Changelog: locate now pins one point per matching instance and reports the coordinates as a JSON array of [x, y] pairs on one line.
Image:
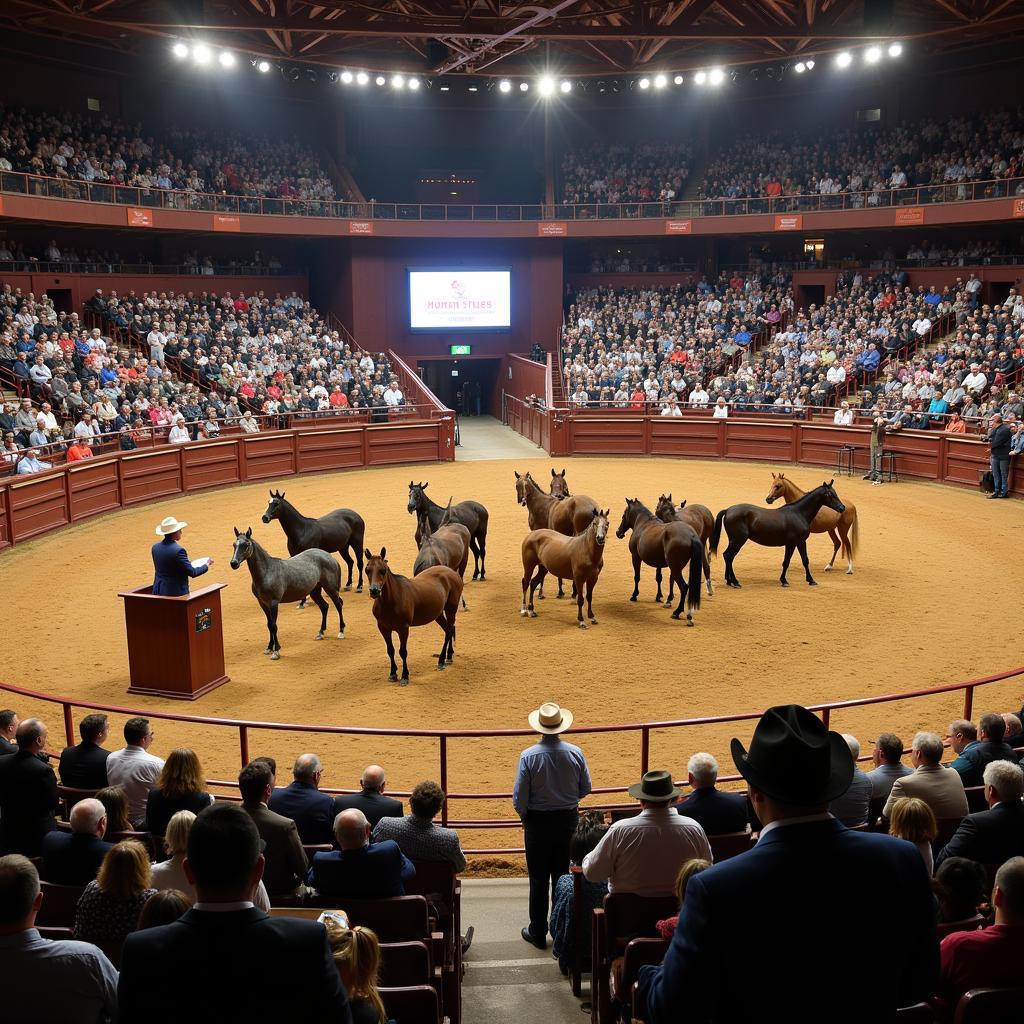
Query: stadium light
[[810, 65], [227, 59], [414, 84], [701, 77], [716, 76], [504, 85], [362, 78], [678, 79], [644, 83], [844, 59], [565, 85], [895, 49], [660, 81], [397, 81], [380, 80], [263, 67], [873, 54], [473, 88], [524, 86], [201, 54], [547, 86], [180, 50], [346, 77], [799, 67]]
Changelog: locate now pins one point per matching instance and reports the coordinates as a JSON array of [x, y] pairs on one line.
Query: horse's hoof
[[393, 678], [785, 583], [276, 656], [523, 612], [593, 622], [533, 614], [849, 572], [582, 625], [404, 681], [267, 651], [347, 587], [341, 635], [559, 595], [668, 603], [812, 583], [440, 666], [540, 597], [319, 636], [359, 589], [689, 619], [633, 599], [301, 607]]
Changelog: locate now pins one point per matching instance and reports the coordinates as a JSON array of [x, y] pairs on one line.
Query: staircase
[[559, 398]]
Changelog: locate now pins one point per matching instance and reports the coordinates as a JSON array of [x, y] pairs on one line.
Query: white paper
[[199, 563]]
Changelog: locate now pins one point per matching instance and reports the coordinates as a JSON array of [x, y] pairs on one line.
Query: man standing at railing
[[879, 428], [999, 438]]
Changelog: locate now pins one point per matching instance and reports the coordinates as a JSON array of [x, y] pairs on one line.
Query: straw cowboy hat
[[550, 719], [655, 787], [169, 525]]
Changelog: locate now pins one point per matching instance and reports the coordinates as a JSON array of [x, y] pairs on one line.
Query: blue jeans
[[1000, 475]]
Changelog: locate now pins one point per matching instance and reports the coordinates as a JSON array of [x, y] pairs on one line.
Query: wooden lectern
[[175, 644]]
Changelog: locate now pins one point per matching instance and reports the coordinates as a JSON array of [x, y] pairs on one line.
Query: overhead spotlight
[[346, 77], [660, 81], [844, 59], [602, 86], [716, 76], [398, 81], [180, 50], [701, 77], [678, 80], [524, 86], [263, 66], [227, 59], [504, 85], [799, 67], [414, 84], [312, 75], [333, 77], [755, 75], [565, 85], [473, 88], [895, 49], [201, 54], [547, 86], [290, 73], [362, 78], [380, 80], [446, 88], [873, 54], [644, 83], [810, 65]]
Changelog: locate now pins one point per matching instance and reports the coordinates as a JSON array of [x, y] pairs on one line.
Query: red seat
[[984, 1005]]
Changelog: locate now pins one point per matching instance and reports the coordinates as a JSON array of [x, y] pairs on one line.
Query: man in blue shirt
[[551, 781], [171, 562], [31, 463]]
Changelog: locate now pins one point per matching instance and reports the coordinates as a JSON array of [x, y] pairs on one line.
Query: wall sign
[[460, 350]]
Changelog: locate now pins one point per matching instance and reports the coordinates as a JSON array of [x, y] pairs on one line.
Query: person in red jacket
[[79, 451]]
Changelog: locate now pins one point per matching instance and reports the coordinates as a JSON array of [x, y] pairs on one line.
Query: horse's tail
[[853, 538], [696, 567], [716, 533]]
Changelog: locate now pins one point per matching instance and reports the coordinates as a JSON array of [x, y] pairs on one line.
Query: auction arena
[[930, 603]]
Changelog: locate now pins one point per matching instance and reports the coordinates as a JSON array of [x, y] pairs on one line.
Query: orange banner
[[552, 229], [910, 215], [360, 227], [678, 227], [789, 221], [139, 218], [1, 206], [226, 222], [1018, 207]]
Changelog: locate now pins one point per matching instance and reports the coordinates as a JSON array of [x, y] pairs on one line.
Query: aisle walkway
[[508, 981], [484, 437]]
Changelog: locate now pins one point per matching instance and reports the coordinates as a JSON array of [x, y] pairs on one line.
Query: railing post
[[826, 716], [645, 750], [69, 725], [243, 743], [444, 778], [968, 702]]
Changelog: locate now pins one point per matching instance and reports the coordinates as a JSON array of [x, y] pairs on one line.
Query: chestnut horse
[[841, 528], [664, 545], [449, 545], [579, 558], [788, 527], [471, 514], [399, 603], [700, 517]]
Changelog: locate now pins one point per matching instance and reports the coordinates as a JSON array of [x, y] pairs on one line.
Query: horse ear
[[518, 477], [553, 473], [383, 553], [281, 495], [248, 532], [832, 481], [236, 530], [423, 487], [774, 477], [411, 485], [368, 552], [682, 504]]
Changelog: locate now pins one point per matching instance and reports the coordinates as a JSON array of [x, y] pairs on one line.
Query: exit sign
[[460, 350]]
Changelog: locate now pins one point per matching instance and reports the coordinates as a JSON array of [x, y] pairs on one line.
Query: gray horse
[[277, 580]]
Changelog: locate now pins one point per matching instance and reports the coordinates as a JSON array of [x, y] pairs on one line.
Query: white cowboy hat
[[169, 525], [550, 719]]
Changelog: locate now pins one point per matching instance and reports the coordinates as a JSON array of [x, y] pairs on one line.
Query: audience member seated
[[357, 953], [991, 957], [852, 807], [302, 801], [115, 803], [961, 889], [178, 788], [642, 854], [976, 749], [940, 788], [666, 929], [163, 907], [135, 769], [370, 799], [995, 835], [1014, 735], [285, 860], [28, 793], [84, 766], [716, 811], [604, 172], [216, 946], [912, 820], [417, 835], [109, 907], [357, 870], [74, 858], [45, 981], [9, 723], [889, 766]]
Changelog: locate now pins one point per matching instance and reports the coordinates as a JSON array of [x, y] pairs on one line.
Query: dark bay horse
[[277, 580], [471, 514], [787, 527], [841, 528], [700, 517], [400, 603], [341, 530], [665, 546], [579, 558], [449, 545]]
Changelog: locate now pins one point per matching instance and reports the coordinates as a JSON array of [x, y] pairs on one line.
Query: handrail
[[445, 736]]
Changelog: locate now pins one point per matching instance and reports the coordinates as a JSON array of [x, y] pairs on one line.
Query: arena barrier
[[447, 737]]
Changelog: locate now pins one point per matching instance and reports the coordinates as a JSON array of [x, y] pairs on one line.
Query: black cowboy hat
[[794, 758], [655, 786]]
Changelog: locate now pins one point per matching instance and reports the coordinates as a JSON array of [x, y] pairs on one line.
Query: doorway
[[459, 383], [61, 298]]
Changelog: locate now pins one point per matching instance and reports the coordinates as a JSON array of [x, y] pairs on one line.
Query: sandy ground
[[928, 605]]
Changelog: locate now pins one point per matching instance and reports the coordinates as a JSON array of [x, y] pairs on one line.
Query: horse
[[448, 546], [664, 545], [700, 517], [471, 514], [565, 515], [579, 558], [841, 528], [398, 603], [277, 580], [788, 527], [338, 531], [559, 488]]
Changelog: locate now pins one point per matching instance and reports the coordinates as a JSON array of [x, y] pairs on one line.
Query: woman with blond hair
[[666, 929], [912, 819], [356, 953], [109, 907], [178, 788]]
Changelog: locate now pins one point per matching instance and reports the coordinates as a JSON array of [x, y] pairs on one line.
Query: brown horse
[[841, 527], [399, 603], [568, 516], [700, 517], [449, 545], [578, 558], [664, 545], [471, 514]]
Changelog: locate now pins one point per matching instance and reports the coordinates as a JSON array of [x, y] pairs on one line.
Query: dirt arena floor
[[931, 602]]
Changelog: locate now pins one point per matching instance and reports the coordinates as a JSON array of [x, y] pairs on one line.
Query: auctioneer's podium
[[175, 644]]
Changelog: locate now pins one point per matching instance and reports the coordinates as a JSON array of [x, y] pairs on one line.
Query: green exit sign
[[460, 350]]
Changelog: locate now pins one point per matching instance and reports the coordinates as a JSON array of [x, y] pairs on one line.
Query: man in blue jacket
[[778, 931], [171, 563]]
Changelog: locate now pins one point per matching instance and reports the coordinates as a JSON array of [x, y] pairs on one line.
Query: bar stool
[[845, 456], [888, 467]]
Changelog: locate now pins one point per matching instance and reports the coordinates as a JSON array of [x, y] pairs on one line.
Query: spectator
[[45, 981], [115, 802], [28, 793], [163, 907], [78, 451], [416, 834], [9, 723], [995, 835], [721, 409], [285, 859], [31, 463], [912, 820], [940, 788], [179, 787], [1014, 735], [961, 888], [889, 766], [370, 799], [843, 416], [999, 438], [975, 754], [74, 858], [85, 766], [135, 769], [217, 942], [852, 807], [302, 801], [357, 954], [666, 929], [716, 811], [179, 433], [248, 423]]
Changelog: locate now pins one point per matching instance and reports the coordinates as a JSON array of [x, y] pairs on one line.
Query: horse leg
[[785, 564], [636, 576], [528, 567], [403, 650], [386, 633], [590, 602], [359, 565], [801, 546], [707, 571], [317, 597], [844, 532], [270, 632], [474, 546], [676, 576], [275, 643], [347, 559], [671, 589], [728, 557], [657, 578], [578, 585], [338, 603], [835, 548], [482, 542], [537, 581]]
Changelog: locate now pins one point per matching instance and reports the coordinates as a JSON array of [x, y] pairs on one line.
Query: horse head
[[416, 496], [628, 517], [778, 488], [601, 525], [376, 571], [520, 489], [831, 499], [559, 488], [274, 508], [666, 509], [243, 547]]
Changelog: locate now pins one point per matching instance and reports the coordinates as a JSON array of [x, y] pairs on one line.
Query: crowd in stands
[[604, 172]]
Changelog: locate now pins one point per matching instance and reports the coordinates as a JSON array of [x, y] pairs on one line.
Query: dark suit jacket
[[716, 812], [7, 747], [286, 862], [172, 569], [71, 859], [798, 895], [240, 965], [160, 810], [989, 837], [311, 810], [84, 766], [371, 873], [28, 798], [374, 805]]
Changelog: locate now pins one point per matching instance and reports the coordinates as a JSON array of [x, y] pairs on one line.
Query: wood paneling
[[94, 487], [319, 450], [268, 456], [759, 439], [210, 465], [38, 505], [389, 445], [150, 475]]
